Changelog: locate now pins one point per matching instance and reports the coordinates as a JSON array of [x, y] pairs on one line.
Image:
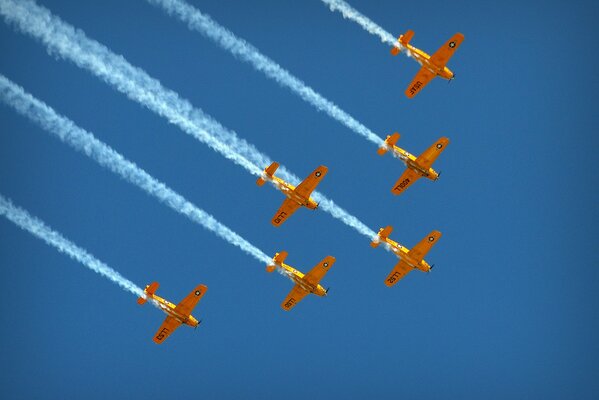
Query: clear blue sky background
[[510, 311]]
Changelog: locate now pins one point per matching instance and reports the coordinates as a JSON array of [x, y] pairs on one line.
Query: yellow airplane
[[304, 284], [176, 314], [417, 166], [432, 66], [296, 196], [408, 259]]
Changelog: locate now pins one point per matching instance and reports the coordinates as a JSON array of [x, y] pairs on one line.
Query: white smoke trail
[[351, 13], [63, 40], [202, 23], [37, 228], [85, 142]]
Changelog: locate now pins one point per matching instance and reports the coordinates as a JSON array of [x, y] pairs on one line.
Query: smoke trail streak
[[202, 23], [85, 142], [351, 13], [63, 40], [37, 228]]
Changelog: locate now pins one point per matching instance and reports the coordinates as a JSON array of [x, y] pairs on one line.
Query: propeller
[[327, 290], [431, 267]]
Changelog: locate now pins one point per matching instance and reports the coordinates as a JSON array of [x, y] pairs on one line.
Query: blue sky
[[508, 311]]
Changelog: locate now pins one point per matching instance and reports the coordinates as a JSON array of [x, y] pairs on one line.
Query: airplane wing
[[422, 78], [429, 156], [186, 306], [168, 326], [289, 207], [420, 250], [445, 52], [295, 296], [400, 270], [308, 185], [405, 181], [319, 271]]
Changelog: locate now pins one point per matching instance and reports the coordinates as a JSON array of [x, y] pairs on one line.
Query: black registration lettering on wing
[[393, 278], [415, 87], [162, 334], [280, 217], [290, 303], [403, 184]]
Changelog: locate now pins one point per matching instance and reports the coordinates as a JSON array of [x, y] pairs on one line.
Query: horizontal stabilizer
[[149, 291], [406, 37], [269, 172], [382, 235], [389, 143], [280, 257]]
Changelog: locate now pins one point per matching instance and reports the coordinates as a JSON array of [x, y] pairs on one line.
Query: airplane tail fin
[[389, 143], [278, 259], [149, 291], [269, 172], [382, 236]]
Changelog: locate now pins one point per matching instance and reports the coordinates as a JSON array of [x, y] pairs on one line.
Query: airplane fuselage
[[425, 60], [288, 190], [169, 309], [410, 161], [298, 278], [404, 254]]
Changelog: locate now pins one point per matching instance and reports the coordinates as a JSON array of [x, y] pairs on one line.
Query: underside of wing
[[186, 306], [405, 181], [445, 52], [429, 156], [400, 270], [308, 185], [422, 78], [168, 326], [419, 251], [295, 296], [287, 208], [319, 271]]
